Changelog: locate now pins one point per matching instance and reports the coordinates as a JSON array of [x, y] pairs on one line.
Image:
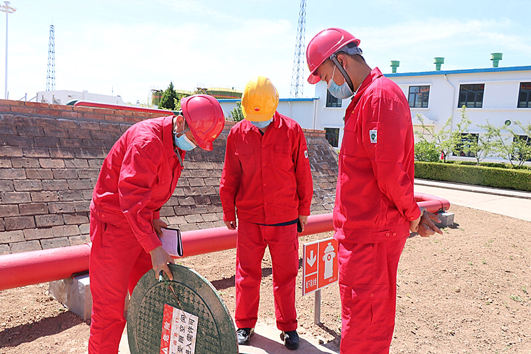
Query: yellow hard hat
[[259, 100]]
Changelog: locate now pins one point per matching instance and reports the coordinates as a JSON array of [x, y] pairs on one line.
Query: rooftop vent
[[495, 57], [438, 62], [394, 65]]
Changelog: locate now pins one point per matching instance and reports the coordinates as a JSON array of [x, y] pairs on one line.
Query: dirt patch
[[467, 291]]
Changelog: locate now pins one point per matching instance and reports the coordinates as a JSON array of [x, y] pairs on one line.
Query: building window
[[471, 96], [331, 101], [524, 98], [418, 96], [523, 147], [462, 149], [332, 135]]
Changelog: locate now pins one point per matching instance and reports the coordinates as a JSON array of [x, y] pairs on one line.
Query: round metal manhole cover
[[215, 332]]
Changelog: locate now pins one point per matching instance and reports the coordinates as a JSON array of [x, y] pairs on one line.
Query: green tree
[[509, 144], [517, 147], [169, 98], [445, 140], [177, 100], [480, 145], [460, 137], [486, 144], [237, 114], [523, 143]]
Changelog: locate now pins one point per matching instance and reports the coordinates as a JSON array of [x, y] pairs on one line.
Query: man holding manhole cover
[[137, 177]]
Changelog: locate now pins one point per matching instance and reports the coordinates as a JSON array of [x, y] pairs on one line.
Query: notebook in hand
[[171, 241]]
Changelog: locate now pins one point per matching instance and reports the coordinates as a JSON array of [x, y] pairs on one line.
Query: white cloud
[[150, 43], [415, 43]]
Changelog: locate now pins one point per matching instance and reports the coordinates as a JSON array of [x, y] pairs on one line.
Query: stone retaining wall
[[50, 156]]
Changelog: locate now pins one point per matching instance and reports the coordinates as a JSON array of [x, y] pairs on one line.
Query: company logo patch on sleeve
[[373, 134], [306, 153]]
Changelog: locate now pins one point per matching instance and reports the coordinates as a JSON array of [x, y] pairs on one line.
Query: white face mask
[[262, 124], [342, 92], [183, 142]]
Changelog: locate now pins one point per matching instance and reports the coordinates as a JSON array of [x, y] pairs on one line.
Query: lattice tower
[[50, 75], [297, 74]]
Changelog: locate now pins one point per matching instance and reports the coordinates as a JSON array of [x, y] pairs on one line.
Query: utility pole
[[8, 10], [297, 74]]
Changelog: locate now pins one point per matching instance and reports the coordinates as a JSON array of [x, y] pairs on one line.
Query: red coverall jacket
[[138, 176], [267, 178], [374, 195]]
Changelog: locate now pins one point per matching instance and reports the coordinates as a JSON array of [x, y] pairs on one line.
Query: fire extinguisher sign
[[320, 267]]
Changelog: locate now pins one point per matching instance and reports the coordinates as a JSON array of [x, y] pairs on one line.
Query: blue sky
[[129, 47]]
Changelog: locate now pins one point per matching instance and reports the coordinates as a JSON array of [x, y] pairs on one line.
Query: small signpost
[[320, 269]]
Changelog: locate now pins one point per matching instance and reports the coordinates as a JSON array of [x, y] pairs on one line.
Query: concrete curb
[[474, 188]]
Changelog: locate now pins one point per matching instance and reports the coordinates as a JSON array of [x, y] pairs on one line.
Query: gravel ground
[[466, 291]]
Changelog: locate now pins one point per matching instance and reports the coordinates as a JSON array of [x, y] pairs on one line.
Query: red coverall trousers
[[283, 245], [367, 285], [117, 262]]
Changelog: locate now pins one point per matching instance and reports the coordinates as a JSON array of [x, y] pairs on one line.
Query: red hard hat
[[323, 45], [204, 117]]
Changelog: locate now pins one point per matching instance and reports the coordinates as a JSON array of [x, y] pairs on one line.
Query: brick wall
[[50, 156]]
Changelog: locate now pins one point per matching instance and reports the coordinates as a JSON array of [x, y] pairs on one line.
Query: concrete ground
[[266, 340], [515, 204]]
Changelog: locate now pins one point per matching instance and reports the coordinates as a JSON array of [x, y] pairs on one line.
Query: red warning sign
[[320, 267]]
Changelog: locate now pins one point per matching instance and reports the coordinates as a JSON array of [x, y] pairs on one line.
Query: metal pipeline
[[26, 268], [21, 269], [432, 203], [82, 103], [219, 239]]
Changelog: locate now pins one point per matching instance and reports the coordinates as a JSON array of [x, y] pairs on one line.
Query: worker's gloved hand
[[157, 224], [160, 259], [231, 224]]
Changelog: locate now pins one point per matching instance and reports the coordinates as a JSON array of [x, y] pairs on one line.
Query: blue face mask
[[342, 92], [263, 124], [183, 142]]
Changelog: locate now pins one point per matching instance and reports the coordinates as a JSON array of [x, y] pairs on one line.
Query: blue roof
[[303, 99], [463, 71]]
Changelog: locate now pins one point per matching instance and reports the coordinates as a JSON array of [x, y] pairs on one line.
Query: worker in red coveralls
[[267, 178], [137, 177], [375, 205]]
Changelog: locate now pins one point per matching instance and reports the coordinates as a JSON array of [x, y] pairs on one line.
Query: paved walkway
[[515, 204], [266, 340]]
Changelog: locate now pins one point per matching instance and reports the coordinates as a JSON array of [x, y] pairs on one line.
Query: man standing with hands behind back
[[267, 177], [375, 204]]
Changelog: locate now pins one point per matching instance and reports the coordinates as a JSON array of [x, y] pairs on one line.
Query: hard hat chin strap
[[333, 57]]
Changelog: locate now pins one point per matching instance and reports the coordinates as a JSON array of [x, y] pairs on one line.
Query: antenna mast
[[50, 75], [297, 74]]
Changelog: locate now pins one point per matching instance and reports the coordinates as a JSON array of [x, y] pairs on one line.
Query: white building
[[64, 96], [495, 95]]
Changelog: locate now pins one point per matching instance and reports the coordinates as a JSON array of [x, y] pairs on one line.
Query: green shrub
[[426, 151], [489, 164], [519, 179]]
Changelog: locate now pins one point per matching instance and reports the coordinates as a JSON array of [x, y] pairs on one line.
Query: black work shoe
[[291, 339], [244, 334]]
